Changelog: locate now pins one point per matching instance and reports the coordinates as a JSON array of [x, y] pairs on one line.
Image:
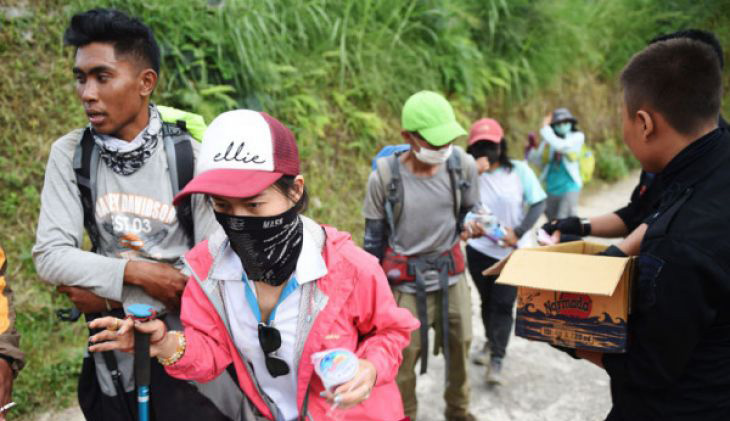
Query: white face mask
[[431, 157]]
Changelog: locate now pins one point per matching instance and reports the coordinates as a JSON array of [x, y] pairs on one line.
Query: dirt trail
[[540, 382]]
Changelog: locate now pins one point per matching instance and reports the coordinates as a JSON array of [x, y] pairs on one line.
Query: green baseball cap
[[431, 115]]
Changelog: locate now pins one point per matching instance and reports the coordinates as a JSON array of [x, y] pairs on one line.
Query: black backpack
[[179, 150]]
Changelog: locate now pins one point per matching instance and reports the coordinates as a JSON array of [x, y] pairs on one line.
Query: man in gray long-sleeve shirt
[[138, 236]]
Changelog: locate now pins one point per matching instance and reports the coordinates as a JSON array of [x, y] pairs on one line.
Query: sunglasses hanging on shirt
[[270, 341]]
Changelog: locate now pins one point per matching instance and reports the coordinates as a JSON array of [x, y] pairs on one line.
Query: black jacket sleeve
[[376, 237], [629, 213]]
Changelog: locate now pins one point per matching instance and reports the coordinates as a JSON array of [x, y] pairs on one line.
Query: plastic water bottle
[[335, 366], [492, 228]]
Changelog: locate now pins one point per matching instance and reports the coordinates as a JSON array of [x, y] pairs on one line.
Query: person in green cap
[[414, 216]]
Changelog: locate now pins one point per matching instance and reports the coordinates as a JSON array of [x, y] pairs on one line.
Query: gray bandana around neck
[[125, 158]]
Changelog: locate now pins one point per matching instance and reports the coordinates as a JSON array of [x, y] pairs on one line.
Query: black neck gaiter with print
[[268, 247]]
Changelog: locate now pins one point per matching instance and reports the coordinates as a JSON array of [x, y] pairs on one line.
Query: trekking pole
[[142, 313]]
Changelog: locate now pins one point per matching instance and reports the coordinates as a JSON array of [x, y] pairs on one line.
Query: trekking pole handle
[[142, 313]]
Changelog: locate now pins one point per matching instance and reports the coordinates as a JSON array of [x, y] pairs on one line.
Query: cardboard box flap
[[496, 268], [578, 247], [564, 270], [575, 247]]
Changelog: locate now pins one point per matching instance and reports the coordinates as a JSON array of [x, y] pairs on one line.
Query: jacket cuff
[[380, 361], [15, 365]]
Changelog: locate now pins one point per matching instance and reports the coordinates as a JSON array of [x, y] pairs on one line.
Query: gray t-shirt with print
[[135, 217], [427, 224], [136, 221]]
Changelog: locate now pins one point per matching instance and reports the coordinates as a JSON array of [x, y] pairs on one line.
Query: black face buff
[[268, 246]]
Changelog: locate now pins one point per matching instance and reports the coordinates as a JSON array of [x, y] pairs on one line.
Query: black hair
[[286, 186], [493, 151], [680, 78], [128, 35], [698, 35]]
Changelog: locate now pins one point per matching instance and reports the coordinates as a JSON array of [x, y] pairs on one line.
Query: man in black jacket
[[677, 366]]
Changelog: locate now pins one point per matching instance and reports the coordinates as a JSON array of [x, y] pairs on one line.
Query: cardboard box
[[570, 297]]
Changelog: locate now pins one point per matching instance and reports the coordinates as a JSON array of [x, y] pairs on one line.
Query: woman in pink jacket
[[272, 288]]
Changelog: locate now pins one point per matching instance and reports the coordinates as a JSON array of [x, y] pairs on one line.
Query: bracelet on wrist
[[179, 351]]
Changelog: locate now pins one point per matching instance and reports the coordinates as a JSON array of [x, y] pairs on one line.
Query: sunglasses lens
[[270, 341], [277, 367], [269, 338]]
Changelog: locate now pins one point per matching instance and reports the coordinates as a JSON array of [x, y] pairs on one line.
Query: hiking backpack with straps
[[394, 263], [586, 161], [180, 162]]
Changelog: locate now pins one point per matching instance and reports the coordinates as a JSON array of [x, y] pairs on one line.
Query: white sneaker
[[494, 372], [481, 357]]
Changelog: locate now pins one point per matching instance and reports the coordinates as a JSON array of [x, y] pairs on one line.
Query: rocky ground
[[541, 383]]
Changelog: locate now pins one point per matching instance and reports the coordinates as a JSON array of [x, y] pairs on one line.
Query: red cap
[[243, 152], [486, 129]]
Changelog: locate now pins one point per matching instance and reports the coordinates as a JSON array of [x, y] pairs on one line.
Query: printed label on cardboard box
[[569, 296], [568, 319]]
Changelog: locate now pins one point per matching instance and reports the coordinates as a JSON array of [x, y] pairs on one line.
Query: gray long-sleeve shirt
[[135, 217]]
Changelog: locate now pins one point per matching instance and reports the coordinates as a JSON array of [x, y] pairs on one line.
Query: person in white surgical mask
[[414, 212], [558, 155]]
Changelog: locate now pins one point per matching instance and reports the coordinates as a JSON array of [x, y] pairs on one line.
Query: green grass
[[337, 73]]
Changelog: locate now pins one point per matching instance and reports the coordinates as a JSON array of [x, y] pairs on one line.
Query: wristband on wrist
[[519, 232], [179, 351], [585, 227]]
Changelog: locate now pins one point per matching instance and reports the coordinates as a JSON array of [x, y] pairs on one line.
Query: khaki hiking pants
[[457, 389]]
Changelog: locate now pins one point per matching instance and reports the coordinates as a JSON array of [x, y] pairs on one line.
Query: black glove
[[612, 251], [571, 226]]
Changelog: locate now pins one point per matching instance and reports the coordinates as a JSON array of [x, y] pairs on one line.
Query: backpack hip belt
[[400, 268]]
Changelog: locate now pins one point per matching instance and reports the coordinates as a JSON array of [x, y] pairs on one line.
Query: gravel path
[[540, 382]]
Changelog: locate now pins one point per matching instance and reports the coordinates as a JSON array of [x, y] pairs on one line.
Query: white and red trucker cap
[[243, 152]]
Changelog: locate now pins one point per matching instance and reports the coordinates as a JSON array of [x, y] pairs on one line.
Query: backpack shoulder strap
[[181, 165], [545, 158], [86, 164], [388, 171], [458, 176]]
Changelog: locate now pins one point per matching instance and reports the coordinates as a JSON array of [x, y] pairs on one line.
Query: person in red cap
[[510, 190], [271, 288]]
